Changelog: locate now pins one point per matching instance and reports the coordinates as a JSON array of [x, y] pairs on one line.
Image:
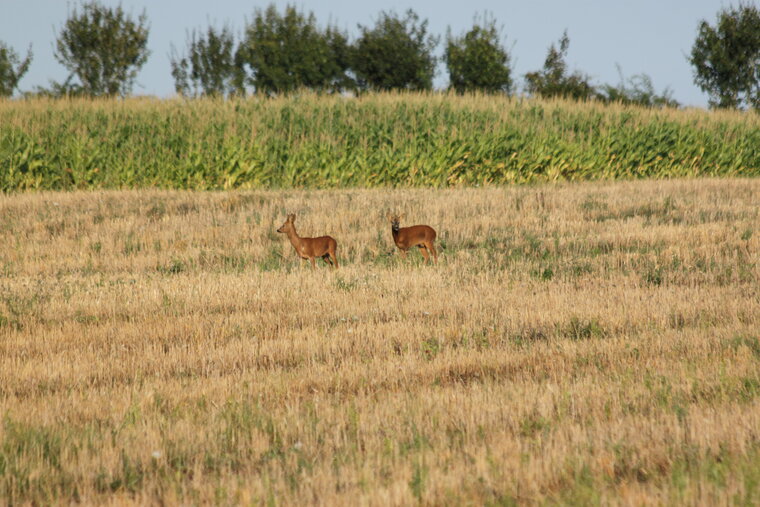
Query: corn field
[[380, 140]]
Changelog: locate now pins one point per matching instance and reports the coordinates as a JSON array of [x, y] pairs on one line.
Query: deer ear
[[291, 217]]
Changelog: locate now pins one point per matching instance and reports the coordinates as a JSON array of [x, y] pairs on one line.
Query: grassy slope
[[594, 343], [378, 140]]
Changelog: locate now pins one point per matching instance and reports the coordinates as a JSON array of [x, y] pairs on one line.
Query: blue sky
[[649, 36]]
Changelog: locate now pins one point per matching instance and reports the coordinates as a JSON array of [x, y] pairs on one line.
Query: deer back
[[414, 235], [318, 247]]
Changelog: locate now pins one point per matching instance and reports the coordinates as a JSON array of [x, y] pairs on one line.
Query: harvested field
[[580, 343]]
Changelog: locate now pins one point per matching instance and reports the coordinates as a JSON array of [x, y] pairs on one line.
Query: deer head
[[288, 225], [395, 220]]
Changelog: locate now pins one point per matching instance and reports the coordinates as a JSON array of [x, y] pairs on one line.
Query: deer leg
[[313, 262], [431, 247], [424, 252], [334, 259]]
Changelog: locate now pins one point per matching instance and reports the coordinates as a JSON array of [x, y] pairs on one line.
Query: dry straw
[[594, 343]]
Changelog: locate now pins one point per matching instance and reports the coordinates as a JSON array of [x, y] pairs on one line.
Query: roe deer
[[421, 236], [309, 248]]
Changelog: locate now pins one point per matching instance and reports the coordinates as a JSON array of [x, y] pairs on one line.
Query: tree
[[209, 67], [637, 89], [726, 58], [397, 53], [285, 52], [104, 48], [12, 69], [553, 80], [477, 60]]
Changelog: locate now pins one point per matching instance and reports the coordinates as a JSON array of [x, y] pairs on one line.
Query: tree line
[[104, 48]]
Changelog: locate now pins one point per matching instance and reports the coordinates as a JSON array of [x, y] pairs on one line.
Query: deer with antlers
[[421, 236], [310, 248]]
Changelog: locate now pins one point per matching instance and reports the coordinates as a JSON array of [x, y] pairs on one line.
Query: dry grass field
[[585, 344]]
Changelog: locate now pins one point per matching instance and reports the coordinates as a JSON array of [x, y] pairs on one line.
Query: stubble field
[[585, 343]]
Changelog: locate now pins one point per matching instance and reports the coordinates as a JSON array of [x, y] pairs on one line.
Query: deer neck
[[293, 237]]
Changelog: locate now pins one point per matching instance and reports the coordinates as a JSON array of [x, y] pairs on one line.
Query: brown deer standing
[[310, 248], [421, 236]]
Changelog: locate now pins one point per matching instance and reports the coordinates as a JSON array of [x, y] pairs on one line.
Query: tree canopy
[[477, 60], [12, 68], [726, 58], [208, 68], [638, 89], [104, 48], [396, 53], [553, 80], [283, 52]]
